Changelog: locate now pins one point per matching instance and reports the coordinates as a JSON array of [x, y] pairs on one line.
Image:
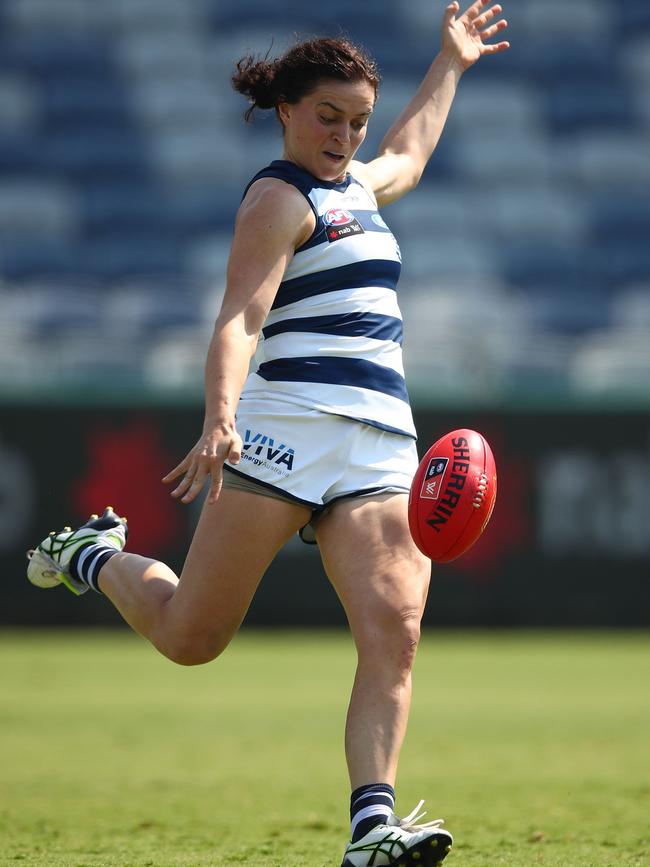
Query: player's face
[[323, 131]]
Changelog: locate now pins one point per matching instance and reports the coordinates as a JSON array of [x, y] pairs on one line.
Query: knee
[[194, 648], [390, 638]]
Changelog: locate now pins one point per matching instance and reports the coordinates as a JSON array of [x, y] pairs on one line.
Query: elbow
[[408, 182], [415, 170], [414, 179], [406, 170], [236, 331], [253, 340]]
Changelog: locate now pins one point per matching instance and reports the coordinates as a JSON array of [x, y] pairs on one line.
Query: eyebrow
[[340, 110]]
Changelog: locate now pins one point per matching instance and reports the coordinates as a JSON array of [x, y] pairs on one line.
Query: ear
[[284, 112]]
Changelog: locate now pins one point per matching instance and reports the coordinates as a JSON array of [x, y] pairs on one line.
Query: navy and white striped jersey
[[333, 337]]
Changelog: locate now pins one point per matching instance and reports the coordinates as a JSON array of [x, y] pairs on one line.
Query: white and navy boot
[[401, 843], [50, 563]]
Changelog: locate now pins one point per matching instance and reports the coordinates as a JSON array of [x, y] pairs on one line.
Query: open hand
[[464, 37], [205, 459]]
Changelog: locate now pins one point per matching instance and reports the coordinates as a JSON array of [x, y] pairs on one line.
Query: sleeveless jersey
[[333, 338]]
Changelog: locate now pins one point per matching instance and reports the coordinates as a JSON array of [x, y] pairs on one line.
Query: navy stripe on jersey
[[382, 273], [300, 178], [338, 371], [372, 325]]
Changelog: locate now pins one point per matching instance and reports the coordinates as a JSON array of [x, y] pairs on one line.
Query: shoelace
[[408, 823]]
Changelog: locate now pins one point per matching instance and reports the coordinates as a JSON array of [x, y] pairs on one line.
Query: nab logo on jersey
[[432, 481], [341, 224]]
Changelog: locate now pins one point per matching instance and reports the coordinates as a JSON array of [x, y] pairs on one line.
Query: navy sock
[[88, 560], [370, 806]]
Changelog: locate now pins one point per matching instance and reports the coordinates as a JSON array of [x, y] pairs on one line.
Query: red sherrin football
[[452, 495]]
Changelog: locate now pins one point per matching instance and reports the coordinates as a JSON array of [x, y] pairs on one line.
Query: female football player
[[319, 437]]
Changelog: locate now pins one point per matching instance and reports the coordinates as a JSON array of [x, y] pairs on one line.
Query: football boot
[[401, 843], [49, 563]]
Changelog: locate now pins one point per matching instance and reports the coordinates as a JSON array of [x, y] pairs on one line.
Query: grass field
[[535, 748]]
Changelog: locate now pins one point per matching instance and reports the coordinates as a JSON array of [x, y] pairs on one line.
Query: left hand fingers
[[494, 49], [475, 9], [481, 20], [185, 483], [194, 489], [489, 32]]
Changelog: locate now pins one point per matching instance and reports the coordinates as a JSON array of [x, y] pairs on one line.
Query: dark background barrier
[[568, 544]]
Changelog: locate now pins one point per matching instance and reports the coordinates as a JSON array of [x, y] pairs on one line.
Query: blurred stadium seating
[[123, 156]]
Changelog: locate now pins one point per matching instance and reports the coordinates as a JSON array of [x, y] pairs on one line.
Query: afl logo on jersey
[[341, 224], [338, 217]]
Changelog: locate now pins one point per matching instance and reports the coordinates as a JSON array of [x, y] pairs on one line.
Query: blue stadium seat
[[609, 162], [24, 258], [626, 216], [20, 153], [142, 309], [58, 303], [49, 54], [86, 358], [622, 259], [177, 360], [121, 254], [634, 17], [590, 105], [487, 158], [70, 100], [631, 307], [101, 149], [125, 207], [613, 362], [556, 60], [20, 104], [562, 308], [553, 269]]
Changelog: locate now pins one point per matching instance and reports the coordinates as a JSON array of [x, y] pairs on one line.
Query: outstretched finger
[[215, 487], [475, 9], [194, 489], [451, 10], [481, 20], [177, 471], [186, 482], [489, 32], [496, 48]]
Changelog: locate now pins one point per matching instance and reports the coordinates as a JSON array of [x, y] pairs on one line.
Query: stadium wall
[[568, 545]]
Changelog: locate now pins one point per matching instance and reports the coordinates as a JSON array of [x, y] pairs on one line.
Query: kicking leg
[[191, 619]]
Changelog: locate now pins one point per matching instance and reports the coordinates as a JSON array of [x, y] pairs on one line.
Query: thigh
[[235, 541], [372, 561]]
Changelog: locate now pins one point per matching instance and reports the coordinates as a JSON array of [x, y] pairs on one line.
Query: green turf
[[534, 747]]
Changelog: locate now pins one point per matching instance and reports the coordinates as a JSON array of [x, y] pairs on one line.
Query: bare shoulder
[[276, 206]]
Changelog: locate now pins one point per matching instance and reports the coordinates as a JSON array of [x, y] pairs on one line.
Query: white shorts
[[314, 458]]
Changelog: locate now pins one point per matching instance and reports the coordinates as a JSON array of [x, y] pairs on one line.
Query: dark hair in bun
[[290, 77]]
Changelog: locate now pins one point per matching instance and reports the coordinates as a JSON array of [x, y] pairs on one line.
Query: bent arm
[[411, 140], [409, 143], [273, 220]]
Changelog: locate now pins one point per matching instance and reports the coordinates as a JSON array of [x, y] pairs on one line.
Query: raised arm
[[409, 143], [273, 220]]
